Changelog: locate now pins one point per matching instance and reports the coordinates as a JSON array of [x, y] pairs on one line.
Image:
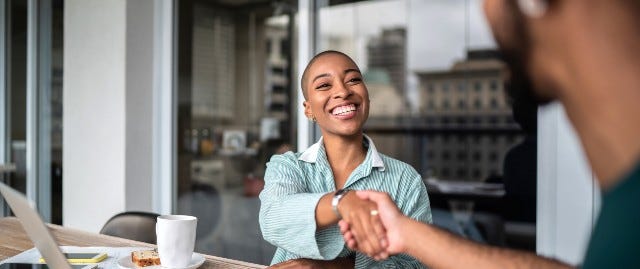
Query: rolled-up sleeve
[[287, 212]]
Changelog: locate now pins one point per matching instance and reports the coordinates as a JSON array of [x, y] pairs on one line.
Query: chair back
[[134, 225]]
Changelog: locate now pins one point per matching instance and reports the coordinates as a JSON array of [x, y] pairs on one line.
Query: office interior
[[174, 107]]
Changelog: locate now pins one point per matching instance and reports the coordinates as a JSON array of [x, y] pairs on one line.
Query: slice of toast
[[142, 258]]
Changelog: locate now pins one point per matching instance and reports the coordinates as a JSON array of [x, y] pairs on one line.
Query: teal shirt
[[615, 241], [294, 184]]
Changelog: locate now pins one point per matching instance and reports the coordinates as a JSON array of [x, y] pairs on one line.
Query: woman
[[306, 193]]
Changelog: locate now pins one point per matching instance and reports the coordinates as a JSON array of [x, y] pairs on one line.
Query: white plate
[[126, 263]]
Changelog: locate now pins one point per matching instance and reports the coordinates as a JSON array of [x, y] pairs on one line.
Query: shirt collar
[[310, 155]]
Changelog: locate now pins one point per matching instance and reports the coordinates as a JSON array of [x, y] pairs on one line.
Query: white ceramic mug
[[176, 236]]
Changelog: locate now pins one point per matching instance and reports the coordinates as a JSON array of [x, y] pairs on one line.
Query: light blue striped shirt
[[295, 182]]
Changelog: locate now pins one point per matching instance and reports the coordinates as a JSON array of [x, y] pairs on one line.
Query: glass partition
[[43, 65], [438, 102], [236, 93]]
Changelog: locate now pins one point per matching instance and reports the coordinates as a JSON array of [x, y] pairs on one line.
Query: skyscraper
[[388, 52]]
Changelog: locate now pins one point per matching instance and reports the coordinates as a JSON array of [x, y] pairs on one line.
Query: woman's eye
[[322, 86], [355, 80]]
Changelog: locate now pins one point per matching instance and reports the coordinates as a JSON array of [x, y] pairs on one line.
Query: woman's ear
[[307, 109]]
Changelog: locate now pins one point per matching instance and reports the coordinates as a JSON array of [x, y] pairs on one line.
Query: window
[[445, 173], [477, 103], [462, 104], [494, 103], [236, 110], [494, 85], [461, 173], [445, 104], [47, 58], [461, 87], [477, 86], [462, 155], [447, 100]]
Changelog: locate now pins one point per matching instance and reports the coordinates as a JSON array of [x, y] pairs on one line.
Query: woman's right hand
[[393, 220], [365, 224]]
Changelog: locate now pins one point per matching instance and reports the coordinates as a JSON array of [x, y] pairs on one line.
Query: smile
[[343, 110]]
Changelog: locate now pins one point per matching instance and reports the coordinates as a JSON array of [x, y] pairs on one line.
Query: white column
[[306, 49], [118, 110], [164, 108], [139, 104], [568, 197], [94, 107]]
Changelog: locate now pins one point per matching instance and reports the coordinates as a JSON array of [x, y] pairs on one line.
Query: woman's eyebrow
[[328, 75], [351, 70], [320, 76]]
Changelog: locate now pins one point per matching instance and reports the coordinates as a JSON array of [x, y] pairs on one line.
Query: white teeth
[[344, 109]]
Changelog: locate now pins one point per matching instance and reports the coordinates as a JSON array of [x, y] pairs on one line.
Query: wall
[[94, 112], [108, 110]]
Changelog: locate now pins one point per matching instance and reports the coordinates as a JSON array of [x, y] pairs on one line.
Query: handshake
[[372, 224]]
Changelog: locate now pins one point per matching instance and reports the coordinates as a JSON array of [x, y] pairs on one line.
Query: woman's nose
[[342, 91]]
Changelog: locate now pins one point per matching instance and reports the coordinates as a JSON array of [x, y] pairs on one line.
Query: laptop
[[37, 231]]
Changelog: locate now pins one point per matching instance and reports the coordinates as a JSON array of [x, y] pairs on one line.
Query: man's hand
[[365, 225], [391, 218]]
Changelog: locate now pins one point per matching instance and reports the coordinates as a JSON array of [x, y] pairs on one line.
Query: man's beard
[[519, 86]]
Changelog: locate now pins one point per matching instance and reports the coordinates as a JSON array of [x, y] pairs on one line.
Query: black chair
[[134, 225]]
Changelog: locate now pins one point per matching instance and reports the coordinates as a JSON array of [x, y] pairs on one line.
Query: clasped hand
[[364, 226], [386, 222]]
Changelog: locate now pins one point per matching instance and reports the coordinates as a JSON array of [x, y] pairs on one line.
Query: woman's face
[[336, 96]]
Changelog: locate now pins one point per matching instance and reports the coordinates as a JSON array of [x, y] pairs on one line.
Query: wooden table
[[13, 240]]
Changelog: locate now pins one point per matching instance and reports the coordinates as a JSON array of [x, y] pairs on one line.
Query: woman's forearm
[[325, 216]]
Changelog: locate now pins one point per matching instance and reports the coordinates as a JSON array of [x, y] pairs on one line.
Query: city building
[[388, 52], [469, 115]]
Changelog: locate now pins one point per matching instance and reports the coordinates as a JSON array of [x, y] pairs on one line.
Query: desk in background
[[484, 195], [13, 240]]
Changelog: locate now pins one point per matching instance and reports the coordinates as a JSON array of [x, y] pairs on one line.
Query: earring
[[313, 118], [533, 8]]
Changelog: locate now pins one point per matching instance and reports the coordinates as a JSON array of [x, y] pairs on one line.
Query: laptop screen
[[34, 227]]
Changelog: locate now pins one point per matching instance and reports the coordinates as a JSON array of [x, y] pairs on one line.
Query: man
[[585, 54]]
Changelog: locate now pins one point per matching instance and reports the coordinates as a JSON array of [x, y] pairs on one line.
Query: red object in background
[[253, 185]]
